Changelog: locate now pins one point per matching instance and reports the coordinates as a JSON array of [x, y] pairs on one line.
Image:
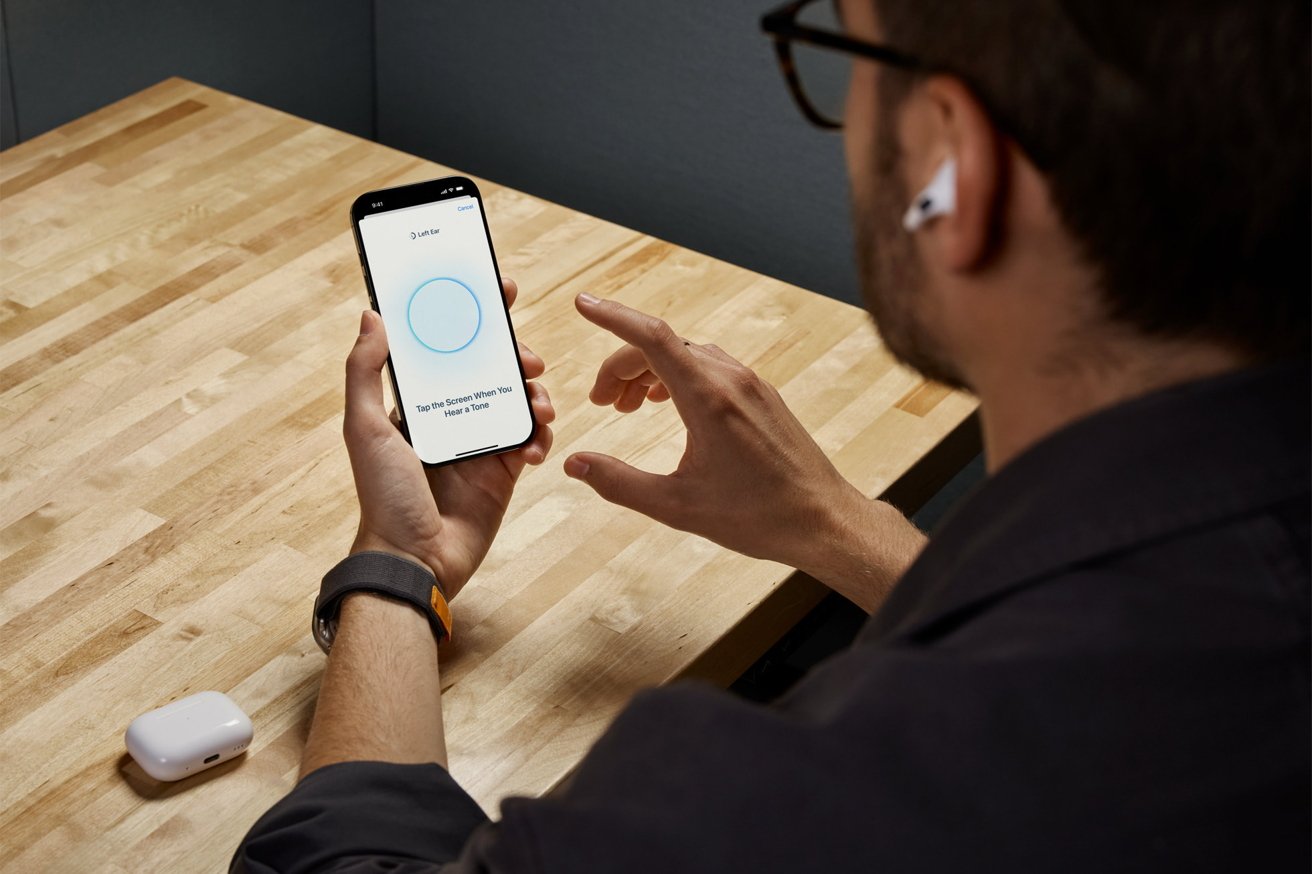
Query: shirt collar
[[1171, 460]]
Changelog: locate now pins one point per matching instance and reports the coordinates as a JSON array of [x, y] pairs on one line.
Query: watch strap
[[386, 574]]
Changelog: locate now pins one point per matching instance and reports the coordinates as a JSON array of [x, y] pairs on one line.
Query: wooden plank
[[178, 290], [99, 148]]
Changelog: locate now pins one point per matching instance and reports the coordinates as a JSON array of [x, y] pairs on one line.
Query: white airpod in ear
[[938, 198]]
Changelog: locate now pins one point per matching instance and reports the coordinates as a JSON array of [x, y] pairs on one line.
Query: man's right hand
[[751, 478]]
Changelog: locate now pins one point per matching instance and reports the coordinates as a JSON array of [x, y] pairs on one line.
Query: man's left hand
[[445, 517]]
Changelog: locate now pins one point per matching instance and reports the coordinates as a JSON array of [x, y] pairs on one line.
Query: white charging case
[[189, 735]]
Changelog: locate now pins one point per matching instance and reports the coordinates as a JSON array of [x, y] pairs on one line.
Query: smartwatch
[[386, 574]]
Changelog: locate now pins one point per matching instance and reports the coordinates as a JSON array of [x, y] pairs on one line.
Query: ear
[[953, 124]]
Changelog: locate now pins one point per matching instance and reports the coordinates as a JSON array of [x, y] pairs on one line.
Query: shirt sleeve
[[362, 817], [1044, 739]]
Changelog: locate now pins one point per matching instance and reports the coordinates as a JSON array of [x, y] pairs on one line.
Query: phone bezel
[[384, 200]]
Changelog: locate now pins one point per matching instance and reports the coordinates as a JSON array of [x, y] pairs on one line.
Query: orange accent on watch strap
[[442, 609]]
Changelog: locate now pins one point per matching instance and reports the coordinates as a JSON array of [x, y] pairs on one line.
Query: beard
[[892, 276]]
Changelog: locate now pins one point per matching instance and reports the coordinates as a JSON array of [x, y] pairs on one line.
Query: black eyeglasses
[[809, 41]]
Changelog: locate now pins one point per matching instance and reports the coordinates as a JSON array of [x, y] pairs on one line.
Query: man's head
[[1154, 155]]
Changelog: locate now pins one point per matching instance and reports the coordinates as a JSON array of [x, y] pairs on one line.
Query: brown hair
[[1176, 138]]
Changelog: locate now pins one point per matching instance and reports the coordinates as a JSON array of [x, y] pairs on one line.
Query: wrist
[[401, 618], [394, 585], [863, 548], [367, 541]]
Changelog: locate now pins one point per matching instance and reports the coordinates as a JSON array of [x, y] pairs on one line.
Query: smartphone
[[428, 264]]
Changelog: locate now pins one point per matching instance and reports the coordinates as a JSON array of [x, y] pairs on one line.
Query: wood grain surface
[[180, 290]]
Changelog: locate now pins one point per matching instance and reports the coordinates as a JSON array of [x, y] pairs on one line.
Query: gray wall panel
[[667, 117], [313, 58], [8, 130]]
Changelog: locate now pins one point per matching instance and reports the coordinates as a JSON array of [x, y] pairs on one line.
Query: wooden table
[[180, 290]]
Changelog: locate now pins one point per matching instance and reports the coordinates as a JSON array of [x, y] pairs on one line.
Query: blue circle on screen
[[444, 315]]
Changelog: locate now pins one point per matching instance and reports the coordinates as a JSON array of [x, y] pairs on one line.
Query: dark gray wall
[[668, 117], [313, 58], [8, 133]]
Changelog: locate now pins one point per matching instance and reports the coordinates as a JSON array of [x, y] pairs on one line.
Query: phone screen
[[454, 361]]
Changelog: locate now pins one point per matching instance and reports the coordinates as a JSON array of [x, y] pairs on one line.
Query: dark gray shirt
[[1099, 663]]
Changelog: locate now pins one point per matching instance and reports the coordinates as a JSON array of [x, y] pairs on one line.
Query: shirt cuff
[[353, 811]]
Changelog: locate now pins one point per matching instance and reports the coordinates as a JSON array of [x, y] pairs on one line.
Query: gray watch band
[[385, 574]]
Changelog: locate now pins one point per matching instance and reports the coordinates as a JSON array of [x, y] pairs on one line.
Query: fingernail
[[364, 322], [576, 467], [584, 297]]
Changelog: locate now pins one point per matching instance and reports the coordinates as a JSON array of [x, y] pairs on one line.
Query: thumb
[[623, 484], [364, 372]]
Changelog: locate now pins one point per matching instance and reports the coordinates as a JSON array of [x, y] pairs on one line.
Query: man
[[1100, 662]]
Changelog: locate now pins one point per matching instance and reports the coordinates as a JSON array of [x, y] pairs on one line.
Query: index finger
[[666, 352], [624, 365]]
